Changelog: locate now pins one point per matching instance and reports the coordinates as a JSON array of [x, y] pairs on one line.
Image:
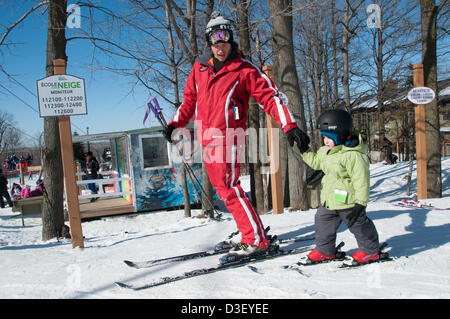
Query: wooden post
[[275, 162], [22, 178], [421, 142], [65, 137], [77, 171]]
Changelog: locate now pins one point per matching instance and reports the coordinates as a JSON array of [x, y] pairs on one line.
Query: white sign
[[374, 18], [421, 95], [61, 95]]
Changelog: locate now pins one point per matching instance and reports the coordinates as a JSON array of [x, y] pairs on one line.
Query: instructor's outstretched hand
[[297, 135]]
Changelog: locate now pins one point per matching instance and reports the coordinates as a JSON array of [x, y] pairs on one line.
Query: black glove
[[356, 212], [300, 137], [167, 132]]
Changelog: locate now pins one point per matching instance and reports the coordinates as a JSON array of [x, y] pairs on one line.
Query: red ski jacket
[[220, 100]]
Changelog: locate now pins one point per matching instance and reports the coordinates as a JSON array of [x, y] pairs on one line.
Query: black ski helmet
[[339, 122]]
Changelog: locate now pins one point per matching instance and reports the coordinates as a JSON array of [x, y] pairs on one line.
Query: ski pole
[[153, 105]]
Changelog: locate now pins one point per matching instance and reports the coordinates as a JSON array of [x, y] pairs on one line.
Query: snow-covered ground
[[419, 239]]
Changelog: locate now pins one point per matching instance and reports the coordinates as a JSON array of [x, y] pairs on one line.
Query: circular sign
[[421, 95], [61, 95]]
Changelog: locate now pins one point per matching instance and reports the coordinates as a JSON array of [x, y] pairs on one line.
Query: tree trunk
[[380, 90], [174, 68], [257, 191], [345, 47], [287, 80], [262, 139], [206, 183], [53, 213], [429, 13], [334, 50]]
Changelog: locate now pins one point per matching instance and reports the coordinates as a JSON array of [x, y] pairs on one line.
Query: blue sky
[[111, 107], [110, 104]]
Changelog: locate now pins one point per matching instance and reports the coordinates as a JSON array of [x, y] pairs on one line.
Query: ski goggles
[[219, 36]]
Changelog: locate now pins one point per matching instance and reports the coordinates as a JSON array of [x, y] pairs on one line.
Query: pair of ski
[[221, 248], [274, 252], [341, 256]]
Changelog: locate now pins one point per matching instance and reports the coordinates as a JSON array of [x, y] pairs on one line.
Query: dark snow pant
[[4, 193], [327, 223], [92, 186]]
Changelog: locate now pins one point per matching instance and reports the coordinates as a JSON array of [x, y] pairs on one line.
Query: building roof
[[111, 135], [398, 95]]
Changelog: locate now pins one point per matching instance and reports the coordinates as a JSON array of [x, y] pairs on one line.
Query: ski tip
[[122, 285], [130, 263], [254, 269]]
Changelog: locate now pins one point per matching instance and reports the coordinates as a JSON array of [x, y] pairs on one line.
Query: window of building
[[155, 152], [446, 116]]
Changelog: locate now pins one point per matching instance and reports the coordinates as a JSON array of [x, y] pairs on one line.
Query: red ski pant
[[223, 166]]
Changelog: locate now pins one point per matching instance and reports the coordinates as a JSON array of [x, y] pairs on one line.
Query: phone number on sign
[[62, 99], [62, 105], [63, 111]]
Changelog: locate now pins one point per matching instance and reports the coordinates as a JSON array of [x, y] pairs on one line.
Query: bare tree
[[174, 67], [390, 48], [350, 9], [159, 63], [20, 20], [243, 28], [53, 213], [189, 19], [6, 124], [429, 13], [286, 79]]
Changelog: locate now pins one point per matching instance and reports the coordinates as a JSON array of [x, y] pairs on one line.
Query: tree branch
[[8, 30]]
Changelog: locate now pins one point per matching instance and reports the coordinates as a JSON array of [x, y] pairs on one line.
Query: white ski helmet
[[218, 29]]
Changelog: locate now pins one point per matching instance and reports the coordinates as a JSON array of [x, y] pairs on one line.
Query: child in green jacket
[[345, 188]]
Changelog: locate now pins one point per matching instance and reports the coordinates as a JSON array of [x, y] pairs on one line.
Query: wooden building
[[398, 115]]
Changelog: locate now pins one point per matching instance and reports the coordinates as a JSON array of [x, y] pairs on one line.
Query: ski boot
[[314, 257], [242, 251], [360, 258]]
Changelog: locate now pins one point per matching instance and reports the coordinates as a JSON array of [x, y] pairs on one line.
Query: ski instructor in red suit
[[217, 94]]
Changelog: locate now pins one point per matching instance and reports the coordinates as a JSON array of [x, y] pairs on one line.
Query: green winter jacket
[[347, 180]]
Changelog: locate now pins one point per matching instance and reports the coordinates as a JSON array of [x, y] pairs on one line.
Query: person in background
[[92, 167], [4, 191], [16, 191]]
